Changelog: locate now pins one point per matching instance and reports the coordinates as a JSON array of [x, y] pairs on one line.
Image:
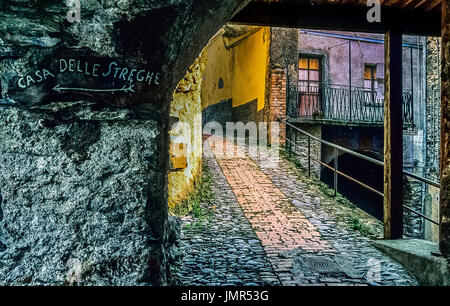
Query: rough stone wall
[[187, 107], [413, 225], [444, 231], [433, 133], [433, 111], [81, 198], [84, 173]]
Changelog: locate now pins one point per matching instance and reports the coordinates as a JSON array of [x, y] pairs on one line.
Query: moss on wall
[[187, 107]]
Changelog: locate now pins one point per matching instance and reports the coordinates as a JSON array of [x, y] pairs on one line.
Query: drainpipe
[[350, 75], [412, 75]]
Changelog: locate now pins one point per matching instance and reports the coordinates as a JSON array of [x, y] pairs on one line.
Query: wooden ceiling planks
[[423, 5], [413, 17]]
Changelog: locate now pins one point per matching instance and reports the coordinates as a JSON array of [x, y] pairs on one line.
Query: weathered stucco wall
[[187, 107], [237, 67]]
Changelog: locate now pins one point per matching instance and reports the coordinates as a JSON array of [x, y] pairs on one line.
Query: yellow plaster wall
[[187, 107], [242, 63]]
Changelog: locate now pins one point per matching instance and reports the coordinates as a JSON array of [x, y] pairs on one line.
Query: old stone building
[[330, 66]]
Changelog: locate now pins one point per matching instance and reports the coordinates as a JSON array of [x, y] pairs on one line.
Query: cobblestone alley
[[274, 226]]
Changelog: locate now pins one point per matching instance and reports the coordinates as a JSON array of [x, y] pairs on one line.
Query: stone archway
[[84, 120]]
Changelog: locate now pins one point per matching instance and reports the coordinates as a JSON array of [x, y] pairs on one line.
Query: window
[[370, 85], [309, 74], [370, 78], [309, 78]]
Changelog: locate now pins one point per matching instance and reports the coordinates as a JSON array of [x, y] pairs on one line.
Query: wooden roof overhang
[[415, 17]]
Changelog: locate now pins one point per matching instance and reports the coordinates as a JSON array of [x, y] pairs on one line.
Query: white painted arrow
[[125, 89]]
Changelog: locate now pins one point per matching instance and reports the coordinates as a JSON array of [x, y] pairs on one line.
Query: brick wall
[[277, 99]]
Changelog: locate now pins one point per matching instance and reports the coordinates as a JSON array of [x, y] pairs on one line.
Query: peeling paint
[[240, 64], [187, 107]]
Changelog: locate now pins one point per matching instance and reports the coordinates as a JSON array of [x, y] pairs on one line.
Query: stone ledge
[[416, 256]]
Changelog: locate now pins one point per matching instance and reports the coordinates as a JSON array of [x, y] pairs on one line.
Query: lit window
[[308, 74], [370, 77], [309, 78]]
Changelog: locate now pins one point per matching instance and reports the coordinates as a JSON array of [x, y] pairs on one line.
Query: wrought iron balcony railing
[[335, 103]]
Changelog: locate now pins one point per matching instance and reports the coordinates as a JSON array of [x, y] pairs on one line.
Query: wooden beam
[[444, 229], [432, 5], [338, 16], [393, 137]]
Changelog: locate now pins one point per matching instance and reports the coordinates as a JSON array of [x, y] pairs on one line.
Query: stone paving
[[224, 250], [273, 226]]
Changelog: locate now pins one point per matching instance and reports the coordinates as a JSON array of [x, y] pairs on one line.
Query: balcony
[[336, 104]]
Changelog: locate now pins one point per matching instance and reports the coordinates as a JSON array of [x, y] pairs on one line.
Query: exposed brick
[[277, 99]]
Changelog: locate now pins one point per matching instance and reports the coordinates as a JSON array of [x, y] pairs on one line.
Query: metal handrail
[[337, 172], [422, 179]]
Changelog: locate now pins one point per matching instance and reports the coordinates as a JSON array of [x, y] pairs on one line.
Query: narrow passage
[[272, 226]]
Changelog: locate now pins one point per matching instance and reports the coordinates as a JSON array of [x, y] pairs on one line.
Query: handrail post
[[295, 143], [336, 165], [309, 156], [350, 76], [290, 141]]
